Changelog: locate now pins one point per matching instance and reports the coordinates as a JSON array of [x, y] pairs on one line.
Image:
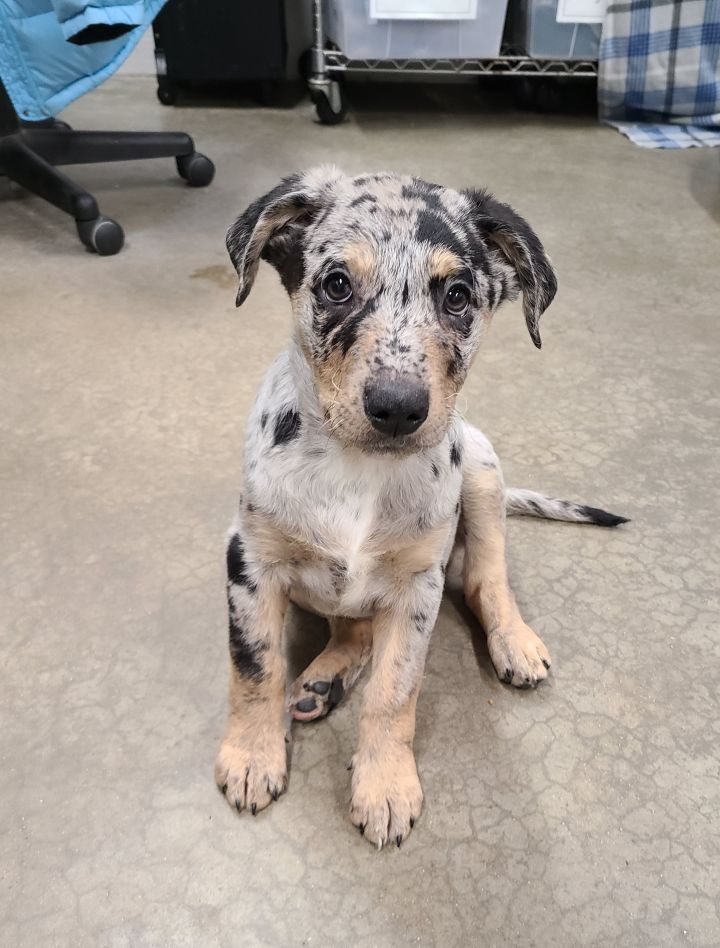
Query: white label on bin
[[581, 11], [423, 9]]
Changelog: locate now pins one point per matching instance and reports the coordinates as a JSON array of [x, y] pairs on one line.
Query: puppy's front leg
[[251, 767], [386, 793], [518, 654]]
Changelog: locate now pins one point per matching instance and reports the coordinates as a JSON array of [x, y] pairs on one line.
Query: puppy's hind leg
[[324, 682], [518, 654]]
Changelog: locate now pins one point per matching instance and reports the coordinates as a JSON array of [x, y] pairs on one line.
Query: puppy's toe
[[310, 700]]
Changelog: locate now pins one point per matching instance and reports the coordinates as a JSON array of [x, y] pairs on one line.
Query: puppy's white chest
[[342, 579]]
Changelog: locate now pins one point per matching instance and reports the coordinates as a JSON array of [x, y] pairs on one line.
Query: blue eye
[[337, 287]]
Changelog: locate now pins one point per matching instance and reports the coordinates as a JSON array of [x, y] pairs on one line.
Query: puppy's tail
[[528, 503]]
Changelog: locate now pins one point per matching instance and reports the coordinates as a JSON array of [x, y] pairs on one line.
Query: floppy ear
[[502, 228], [272, 229]]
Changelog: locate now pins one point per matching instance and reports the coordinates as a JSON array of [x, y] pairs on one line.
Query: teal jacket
[[53, 51]]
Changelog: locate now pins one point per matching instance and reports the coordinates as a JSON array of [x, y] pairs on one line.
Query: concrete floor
[[584, 813]]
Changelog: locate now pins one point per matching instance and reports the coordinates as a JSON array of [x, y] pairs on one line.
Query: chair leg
[[65, 146], [22, 165]]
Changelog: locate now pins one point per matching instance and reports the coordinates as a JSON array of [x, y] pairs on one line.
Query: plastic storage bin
[[532, 27], [348, 24]]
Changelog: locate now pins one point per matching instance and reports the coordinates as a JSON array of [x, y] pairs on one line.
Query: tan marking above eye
[[359, 258], [442, 262]]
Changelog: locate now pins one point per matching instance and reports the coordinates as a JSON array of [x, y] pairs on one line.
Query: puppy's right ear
[[273, 226]]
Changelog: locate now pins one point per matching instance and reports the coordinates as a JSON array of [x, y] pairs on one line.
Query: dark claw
[[412, 822], [546, 664], [398, 840], [337, 690], [237, 806], [361, 829], [349, 766], [274, 794], [253, 808], [319, 687], [307, 704], [223, 789], [507, 677]]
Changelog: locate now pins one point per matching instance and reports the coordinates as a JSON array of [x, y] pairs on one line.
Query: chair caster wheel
[[196, 169], [167, 93], [103, 235]]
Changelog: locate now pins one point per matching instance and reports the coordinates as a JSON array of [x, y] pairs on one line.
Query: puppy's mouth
[[400, 446]]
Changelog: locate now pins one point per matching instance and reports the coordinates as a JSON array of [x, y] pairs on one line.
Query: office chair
[[30, 151]]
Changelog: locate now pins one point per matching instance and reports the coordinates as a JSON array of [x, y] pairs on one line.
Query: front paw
[[386, 796], [252, 772], [519, 655]]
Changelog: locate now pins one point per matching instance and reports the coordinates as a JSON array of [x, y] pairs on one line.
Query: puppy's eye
[[457, 300], [336, 287]]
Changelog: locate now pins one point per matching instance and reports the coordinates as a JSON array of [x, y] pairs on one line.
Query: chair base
[[29, 155]]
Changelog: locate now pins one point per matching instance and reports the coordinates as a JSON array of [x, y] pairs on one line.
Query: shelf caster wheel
[[196, 169], [167, 93], [103, 235], [330, 102]]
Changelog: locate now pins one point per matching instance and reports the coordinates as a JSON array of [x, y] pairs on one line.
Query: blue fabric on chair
[[42, 70], [659, 75]]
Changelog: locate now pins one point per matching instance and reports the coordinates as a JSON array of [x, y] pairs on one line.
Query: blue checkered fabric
[[659, 80]]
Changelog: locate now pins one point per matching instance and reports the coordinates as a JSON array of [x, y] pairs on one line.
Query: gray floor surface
[[584, 813]]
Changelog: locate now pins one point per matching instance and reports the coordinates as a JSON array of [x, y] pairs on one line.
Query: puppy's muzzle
[[395, 404]]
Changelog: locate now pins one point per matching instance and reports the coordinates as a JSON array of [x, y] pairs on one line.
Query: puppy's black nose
[[396, 404]]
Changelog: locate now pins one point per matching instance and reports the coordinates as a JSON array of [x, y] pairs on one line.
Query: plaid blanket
[[659, 64]]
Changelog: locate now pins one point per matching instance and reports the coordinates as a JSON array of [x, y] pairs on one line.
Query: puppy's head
[[392, 282]]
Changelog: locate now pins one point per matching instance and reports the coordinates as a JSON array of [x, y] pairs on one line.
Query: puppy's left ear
[[272, 228], [503, 228]]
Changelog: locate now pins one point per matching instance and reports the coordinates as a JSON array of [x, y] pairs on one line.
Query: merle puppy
[[363, 489]]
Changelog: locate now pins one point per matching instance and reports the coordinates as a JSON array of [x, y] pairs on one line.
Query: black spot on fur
[[245, 657], [420, 620], [491, 294], [263, 420], [285, 252], [456, 362], [601, 517], [536, 507], [405, 294], [455, 454], [347, 333], [236, 566], [287, 427], [457, 508], [421, 191], [435, 470], [435, 230], [338, 571], [364, 199]]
